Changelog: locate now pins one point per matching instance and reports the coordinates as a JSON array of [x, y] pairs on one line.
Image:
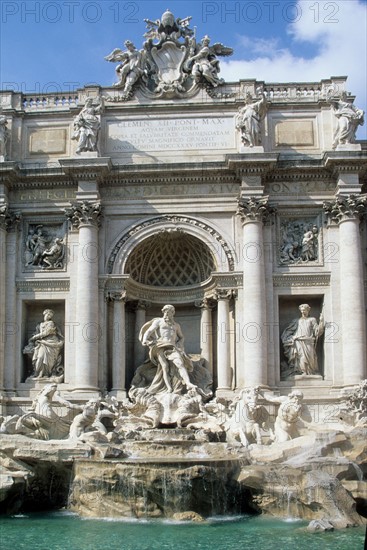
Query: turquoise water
[[64, 531]]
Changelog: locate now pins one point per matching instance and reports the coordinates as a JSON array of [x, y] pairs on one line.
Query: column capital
[[116, 296], [350, 207], [208, 302], [9, 219], [254, 209], [225, 294], [84, 213], [140, 304]]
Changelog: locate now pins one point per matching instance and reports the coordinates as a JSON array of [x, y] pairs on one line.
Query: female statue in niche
[[45, 347], [299, 341]]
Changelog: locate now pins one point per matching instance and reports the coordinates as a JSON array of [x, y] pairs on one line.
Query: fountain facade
[[188, 308]]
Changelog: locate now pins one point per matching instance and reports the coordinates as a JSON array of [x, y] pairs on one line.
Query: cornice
[[43, 285], [301, 280]]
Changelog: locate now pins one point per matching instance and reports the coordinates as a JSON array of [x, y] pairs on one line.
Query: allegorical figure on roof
[[87, 125], [248, 120], [4, 136], [203, 61], [349, 118], [130, 67]]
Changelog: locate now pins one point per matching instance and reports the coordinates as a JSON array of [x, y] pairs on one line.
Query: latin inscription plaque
[[170, 134]]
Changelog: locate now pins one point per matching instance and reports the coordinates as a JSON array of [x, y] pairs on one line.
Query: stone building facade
[[234, 202]]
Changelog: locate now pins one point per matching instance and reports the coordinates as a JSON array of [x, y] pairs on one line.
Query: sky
[[60, 45]]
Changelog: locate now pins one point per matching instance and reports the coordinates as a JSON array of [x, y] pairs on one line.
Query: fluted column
[[206, 331], [348, 211], [118, 343], [86, 217], [139, 351], [253, 212], [224, 371], [8, 320]]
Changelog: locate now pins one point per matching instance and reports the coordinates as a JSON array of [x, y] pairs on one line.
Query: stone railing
[[49, 101]]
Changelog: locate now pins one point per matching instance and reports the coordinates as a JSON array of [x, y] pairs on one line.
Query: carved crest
[[171, 63]]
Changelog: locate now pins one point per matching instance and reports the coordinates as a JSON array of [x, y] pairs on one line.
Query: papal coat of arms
[[171, 64]]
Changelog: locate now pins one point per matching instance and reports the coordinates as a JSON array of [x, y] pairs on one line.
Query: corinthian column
[[9, 328], [224, 340], [139, 350], [86, 217], [206, 331], [348, 211], [118, 344], [253, 212]]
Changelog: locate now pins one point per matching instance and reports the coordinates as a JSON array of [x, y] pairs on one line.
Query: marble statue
[[299, 341], [4, 137], [42, 422], [299, 242], [87, 125], [248, 417], [203, 61], [355, 404], [249, 119], [45, 347], [130, 67], [349, 118], [288, 415], [165, 340]]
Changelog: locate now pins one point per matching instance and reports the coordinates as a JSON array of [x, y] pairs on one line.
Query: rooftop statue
[[130, 68], [87, 125], [171, 63], [203, 61], [349, 118], [249, 119], [4, 136]]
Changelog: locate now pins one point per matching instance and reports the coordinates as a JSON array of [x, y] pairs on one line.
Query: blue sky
[[54, 45]]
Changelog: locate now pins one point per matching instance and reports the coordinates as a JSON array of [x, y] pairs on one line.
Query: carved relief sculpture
[[4, 137], [45, 348], [87, 125], [299, 242], [248, 120], [44, 248], [349, 118], [299, 341]]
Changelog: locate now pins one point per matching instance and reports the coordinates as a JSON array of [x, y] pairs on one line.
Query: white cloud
[[338, 29]]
